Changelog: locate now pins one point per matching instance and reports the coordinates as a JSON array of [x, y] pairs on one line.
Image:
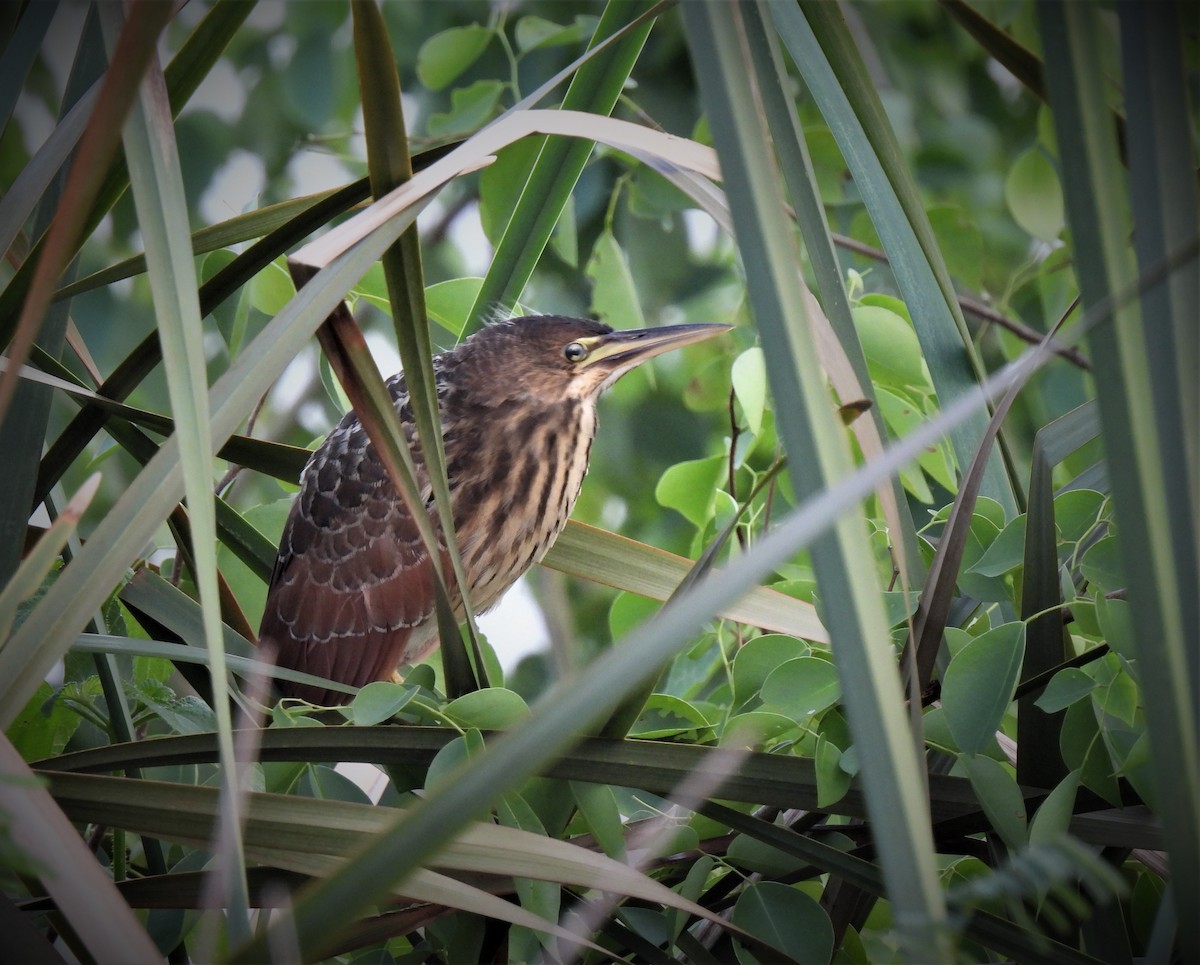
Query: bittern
[[352, 592]]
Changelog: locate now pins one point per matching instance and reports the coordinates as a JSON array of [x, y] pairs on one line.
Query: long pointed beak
[[618, 352]]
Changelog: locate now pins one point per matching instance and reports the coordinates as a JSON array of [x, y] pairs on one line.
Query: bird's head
[[555, 357]]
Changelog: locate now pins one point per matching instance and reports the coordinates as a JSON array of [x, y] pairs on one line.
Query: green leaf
[[1083, 750], [444, 56], [786, 919], [493, 708], [614, 297], [1103, 566], [1035, 196], [668, 716], [1054, 814], [1076, 513], [378, 701], [272, 288], [689, 488], [1065, 687], [961, 243], [43, 728], [449, 302], [749, 376], [758, 658], [891, 347], [1006, 552], [999, 796], [802, 687], [598, 806], [832, 780], [500, 186], [1116, 623], [533, 32], [979, 683], [470, 108]]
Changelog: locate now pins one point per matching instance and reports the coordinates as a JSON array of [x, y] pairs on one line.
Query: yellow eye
[[575, 352]]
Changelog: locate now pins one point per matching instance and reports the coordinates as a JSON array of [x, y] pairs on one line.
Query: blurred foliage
[[682, 444]]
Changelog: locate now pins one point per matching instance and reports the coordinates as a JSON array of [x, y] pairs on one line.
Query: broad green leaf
[[1065, 687], [533, 32], [1035, 196], [1103, 565], [598, 806], [891, 346], [756, 728], [1054, 814], [1083, 750], [758, 658], [979, 684], [272, 288], [1006, 551], [751, 854], [378, 701], [802, 687], [449, 302], [786, 919], [250, 589], [999, 796], [444, 56], [832, 780], [749, 376], [1076, 512], [689, 488], [470, 108], [500, 186], [614, 298], [961, 243], [902, 414], [667, 716], [43, 728], [493, 708], [1116, 623]]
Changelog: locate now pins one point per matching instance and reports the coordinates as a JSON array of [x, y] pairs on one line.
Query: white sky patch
[[702, 232], [234, 188], [383, 351], [313, 170], [222, 92], [293, 383], [515, 627], [466, 234]]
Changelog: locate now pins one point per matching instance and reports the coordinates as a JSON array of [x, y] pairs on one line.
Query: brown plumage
[[351, 596]]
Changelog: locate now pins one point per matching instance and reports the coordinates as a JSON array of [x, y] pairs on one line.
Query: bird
[[351, 595]]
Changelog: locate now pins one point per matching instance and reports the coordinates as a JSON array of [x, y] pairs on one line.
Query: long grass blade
[[853, 608], [1140, 457], [594, 89], [389, 165], [80, 887], [819, 44], [159, 198]]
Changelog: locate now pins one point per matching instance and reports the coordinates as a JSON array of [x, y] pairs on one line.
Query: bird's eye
[[575, 352]]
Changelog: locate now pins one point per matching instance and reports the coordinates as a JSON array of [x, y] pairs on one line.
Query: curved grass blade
[[41, 559], [819, 44], [389, 165], [819, 456], [80, 887], [594, 89], [1039, 763], [157, 182], [1143, 464], [612, 560], [184, 74]]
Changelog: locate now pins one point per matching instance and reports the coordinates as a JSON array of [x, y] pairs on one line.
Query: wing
[[352, 593]]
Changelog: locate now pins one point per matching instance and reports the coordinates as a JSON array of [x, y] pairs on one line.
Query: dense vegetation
[[926, 523]]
